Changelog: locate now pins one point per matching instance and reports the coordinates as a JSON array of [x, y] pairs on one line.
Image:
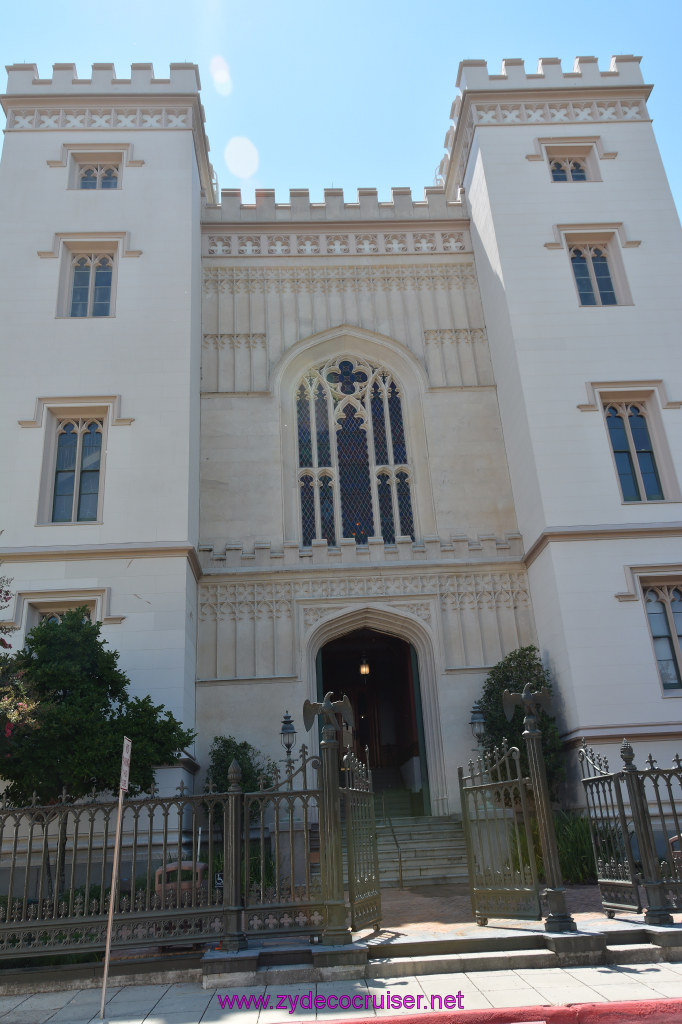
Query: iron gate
[[611, 833], [362, 855], [496, 815]]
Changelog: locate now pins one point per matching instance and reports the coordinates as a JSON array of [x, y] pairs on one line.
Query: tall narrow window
[[77, 471], [664, 610], [91, 285], [354, 477], [633, 452], [593, 275]]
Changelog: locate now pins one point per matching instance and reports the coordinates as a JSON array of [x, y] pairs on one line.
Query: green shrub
[[513, 672], [574, 848], [574, 845]]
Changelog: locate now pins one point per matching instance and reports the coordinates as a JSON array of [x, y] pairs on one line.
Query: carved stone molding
[[221, 341], [58, 119], [420, 610], [484, 590], [337, 243], [245, 601], [560, 112], [274, 600], [456, 336], [326, 279]]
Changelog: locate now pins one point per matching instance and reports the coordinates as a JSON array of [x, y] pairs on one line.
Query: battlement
[[551, 96], [401, 207], [23, 80], [623, 70], [460, 549]]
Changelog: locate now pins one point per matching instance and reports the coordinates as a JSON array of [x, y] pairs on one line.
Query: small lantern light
[[364, 666], [477, 722], [287, 733]]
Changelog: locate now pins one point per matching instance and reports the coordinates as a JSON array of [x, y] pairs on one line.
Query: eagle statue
[[329, 710]]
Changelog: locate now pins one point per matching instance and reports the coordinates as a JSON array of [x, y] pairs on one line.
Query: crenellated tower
[[101, 185], [578, 251]]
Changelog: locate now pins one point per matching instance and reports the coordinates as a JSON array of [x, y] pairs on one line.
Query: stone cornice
[[80, 552], [627, 531]]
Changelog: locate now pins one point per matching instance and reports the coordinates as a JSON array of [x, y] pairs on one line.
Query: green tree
[[80, 712], [513, 672]]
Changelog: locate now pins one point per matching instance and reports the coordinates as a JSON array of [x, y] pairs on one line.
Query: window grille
[[664, 610], [568, 169], [91, 176], [354, 475]]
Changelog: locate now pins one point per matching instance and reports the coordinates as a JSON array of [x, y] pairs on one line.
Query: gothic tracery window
[[354, 476]]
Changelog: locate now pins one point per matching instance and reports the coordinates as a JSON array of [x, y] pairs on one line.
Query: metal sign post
[[123, 788]]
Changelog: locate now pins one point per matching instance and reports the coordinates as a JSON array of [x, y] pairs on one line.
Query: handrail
[[387, 818]]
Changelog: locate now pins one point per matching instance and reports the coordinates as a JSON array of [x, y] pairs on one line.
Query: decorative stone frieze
[[97, 118], [337, 243], [252, 280]]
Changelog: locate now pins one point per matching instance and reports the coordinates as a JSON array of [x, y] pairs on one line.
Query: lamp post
[[287, 734], [477, 723]]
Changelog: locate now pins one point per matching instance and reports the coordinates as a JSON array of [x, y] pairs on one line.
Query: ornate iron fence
[[636, 832], [216, 867], [496, 814], [56, 865], [361, 843]]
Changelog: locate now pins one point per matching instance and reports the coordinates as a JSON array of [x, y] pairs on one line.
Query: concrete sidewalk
[[191, 1004]]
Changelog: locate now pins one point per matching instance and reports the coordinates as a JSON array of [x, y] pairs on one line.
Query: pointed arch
[[388, 620]]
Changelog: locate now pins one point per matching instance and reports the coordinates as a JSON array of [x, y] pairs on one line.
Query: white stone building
[[266, 443]]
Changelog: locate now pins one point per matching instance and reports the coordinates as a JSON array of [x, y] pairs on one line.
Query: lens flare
[[241, 157], [220, 73]]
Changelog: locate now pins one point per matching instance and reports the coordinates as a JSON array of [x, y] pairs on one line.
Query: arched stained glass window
[[354, 476]]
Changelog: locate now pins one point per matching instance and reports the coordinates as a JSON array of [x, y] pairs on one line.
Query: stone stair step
[[634, 953]]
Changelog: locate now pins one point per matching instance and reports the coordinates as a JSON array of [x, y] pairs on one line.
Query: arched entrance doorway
[[387, 707]]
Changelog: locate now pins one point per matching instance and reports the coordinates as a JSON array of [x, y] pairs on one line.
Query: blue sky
[[346, 94]]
